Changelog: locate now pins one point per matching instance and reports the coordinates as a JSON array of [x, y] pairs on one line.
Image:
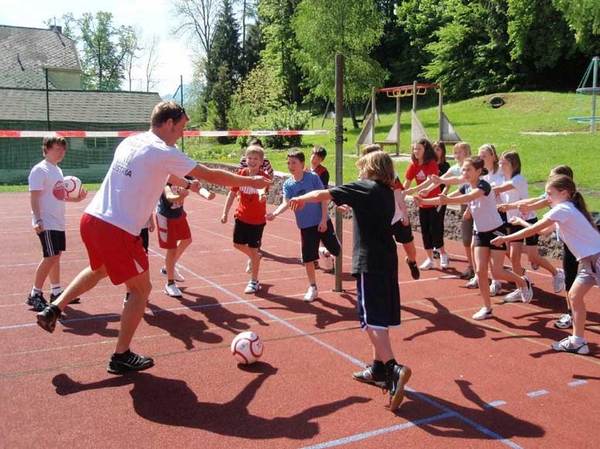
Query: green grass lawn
[[477, 123]]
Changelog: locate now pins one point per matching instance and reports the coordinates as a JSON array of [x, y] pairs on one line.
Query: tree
[[151, 64], [471, 55], [280, 45], [583, 17], [253, 48], [350, 27], [131, 55], [103, 48], [198, 18]]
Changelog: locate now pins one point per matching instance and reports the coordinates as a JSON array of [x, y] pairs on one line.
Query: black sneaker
[[396, 378], [37, 302], [53, 297], [370, 376], [128, 361], [48, 317], [414, 269]]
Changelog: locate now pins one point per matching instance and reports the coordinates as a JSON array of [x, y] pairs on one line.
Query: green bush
[[286, 117]]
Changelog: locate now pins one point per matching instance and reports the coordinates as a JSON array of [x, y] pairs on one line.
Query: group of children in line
[[498, 219]]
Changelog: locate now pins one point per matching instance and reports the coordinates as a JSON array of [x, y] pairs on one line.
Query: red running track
[[475, 384]]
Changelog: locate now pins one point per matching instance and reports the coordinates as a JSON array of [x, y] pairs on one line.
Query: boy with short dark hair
[[48, 196], [316, 164], [313, 220]]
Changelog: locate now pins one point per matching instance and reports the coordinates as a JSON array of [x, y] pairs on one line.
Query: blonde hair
[[255, 149], [463, 146], [370, 148], [377, 166], [492, 150]]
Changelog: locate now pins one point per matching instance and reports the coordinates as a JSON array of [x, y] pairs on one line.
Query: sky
[[150, 17]]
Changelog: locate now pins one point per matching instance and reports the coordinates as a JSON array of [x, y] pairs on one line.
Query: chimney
[[56, 28]]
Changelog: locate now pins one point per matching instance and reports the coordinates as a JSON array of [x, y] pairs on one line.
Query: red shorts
[[172, 230], [121, 253]]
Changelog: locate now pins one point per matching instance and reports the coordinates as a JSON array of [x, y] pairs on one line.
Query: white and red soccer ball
[[247, 347], [72, 187]]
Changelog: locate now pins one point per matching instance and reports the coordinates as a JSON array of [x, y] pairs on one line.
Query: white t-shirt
[[135, 180], [494, 179], [575, 230], [455, 170], [48, 178], [483, 209], [519, 192]]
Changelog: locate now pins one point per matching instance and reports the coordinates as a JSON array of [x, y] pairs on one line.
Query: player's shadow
[[443, 320], [455, 425], [79, 322], [287, 260], [172, 402], [326, 313], [181, 327], [219, 315]]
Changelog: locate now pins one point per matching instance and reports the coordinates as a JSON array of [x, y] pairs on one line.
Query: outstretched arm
[[315, 196], [223, 177], [537, 228]]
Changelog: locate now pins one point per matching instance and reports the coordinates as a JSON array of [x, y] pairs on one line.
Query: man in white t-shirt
[[111, 224], [48, 196]]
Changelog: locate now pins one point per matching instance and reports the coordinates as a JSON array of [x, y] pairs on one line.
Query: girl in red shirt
[[423, 165]]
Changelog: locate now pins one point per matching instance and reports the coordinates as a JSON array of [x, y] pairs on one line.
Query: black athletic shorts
[[248, 234], [483, 239], [378, 300], [311, 237], [532, 240], [53, 242], [402, 234]]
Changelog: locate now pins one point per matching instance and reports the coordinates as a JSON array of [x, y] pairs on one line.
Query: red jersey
[[250, 209], [421, 172]]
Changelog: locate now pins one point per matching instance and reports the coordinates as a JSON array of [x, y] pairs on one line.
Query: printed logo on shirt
[[248, 190], [421, 176], [59, 191]]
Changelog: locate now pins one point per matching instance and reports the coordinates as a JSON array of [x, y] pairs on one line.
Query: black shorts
[[483, 239], [532, 240], [378, 300], [145, 238], [248, 234], [311, 238], [402, 234], [53, 242]]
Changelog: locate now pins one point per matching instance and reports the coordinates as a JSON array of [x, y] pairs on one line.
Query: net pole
[[440, 111], [339, 160], [398, 125], [181, 97], [47, 100], [594, 87]]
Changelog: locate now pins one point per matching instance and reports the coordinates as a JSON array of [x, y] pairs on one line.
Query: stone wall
[[548, 246]]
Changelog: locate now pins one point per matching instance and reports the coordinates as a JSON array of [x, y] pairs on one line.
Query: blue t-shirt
[[310, 215]]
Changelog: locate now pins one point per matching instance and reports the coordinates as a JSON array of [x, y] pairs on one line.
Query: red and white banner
[[188, 133]]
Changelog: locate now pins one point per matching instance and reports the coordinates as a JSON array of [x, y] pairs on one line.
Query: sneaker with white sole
[[558, 280], [483, 314], [173, 291], [311, 293], [252, 287], [565, 321], [526, 292], [444, 261], [495, 287], [567, 345], [473, 282], [514, 296], [426, 265]]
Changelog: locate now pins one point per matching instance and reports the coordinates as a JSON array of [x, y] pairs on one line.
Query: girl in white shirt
[[514, 189], [569, 216], [488, 224]]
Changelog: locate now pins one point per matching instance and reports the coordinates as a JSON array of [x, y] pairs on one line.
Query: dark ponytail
[[564, 182]]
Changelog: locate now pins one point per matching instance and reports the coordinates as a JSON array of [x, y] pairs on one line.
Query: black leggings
[[432, 226], [570, 266]]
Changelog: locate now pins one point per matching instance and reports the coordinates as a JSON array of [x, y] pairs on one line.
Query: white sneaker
[[483, 314], [178, 276], [249, 266], [473, 282], [513, 296], [444, 261], [564, 322], [526, 292], [567, 345], [495, 287], [252, 287], [426, 265], [558, 280], [311, 294], [173, 291]]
